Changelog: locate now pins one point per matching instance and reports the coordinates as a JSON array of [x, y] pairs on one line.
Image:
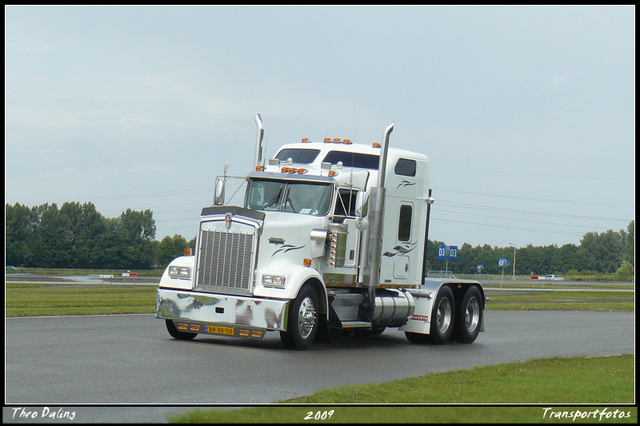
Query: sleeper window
[[404, 224]]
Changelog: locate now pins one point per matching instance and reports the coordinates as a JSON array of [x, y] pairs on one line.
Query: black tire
[[442, 317], [469, 318], [177, 334], [303, 320]]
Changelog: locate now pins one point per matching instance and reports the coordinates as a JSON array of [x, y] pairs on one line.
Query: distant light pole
[[514, 260]]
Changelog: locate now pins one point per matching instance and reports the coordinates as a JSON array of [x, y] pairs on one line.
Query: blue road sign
[[442, 252], [453, 252], [503, 262]]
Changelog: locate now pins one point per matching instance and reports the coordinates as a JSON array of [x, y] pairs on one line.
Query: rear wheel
[[442, 317], [469, 318], [303, 320], [177, 334]]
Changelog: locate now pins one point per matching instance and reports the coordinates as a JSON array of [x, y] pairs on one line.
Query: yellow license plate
[[220, 330]]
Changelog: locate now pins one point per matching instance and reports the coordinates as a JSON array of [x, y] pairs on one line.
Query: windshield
[[294, 197]]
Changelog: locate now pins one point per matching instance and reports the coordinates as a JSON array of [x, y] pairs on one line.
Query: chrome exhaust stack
[[375, 229], [257, 159]]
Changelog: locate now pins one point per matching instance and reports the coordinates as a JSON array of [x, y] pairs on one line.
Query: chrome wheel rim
[[443, 319], [306, 317], [472, 315]]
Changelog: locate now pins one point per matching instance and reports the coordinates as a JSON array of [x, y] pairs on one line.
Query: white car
[[553, 277]]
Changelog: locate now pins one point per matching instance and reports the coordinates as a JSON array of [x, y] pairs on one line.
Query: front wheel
[[303, 320], [469, 318], [177, 334]]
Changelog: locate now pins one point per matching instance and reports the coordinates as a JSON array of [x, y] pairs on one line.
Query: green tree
[[84, 224], [170, 248], [629, 253], [19, 234], [602, 252], [53, 238], [129, 242]]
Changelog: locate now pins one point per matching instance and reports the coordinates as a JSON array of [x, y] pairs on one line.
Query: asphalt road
[[132, 360]]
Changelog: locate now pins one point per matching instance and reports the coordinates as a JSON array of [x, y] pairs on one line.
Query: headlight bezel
[[180, 272], [274, 280]]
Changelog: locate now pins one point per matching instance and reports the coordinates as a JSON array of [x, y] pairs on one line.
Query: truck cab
[[331, 236]]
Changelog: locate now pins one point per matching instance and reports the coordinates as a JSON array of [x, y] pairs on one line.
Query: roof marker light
[[347, 141], [336, 140], [376, 145], [327, 140], [305, 140]]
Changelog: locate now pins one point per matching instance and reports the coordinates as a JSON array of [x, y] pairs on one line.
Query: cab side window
[[346, 203], [405, 167]]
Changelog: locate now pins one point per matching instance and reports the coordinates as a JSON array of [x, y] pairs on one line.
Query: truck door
[[345, 213], [399, 242], [403, 231]]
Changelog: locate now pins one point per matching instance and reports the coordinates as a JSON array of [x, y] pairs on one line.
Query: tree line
[[606, 252], [78, 236]]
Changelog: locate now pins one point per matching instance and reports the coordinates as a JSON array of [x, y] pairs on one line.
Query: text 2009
[[319, 415]]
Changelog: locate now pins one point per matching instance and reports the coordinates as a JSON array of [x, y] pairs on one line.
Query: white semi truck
[[331, 237]]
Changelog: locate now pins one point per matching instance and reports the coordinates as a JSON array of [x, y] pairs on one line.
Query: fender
[[296, 276], [185, 283]]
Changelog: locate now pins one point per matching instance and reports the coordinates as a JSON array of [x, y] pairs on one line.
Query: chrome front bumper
[[217, 313]]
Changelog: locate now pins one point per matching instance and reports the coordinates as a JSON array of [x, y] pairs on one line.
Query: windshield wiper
[[275, 199]]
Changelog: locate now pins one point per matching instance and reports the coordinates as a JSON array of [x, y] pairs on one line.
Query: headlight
[[273, 280], [179, 271]]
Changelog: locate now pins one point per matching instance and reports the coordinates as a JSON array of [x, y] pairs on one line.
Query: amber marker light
[[306, 262]]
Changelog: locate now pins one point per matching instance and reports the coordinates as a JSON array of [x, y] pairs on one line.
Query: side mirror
[[362, 203], [218, 197]]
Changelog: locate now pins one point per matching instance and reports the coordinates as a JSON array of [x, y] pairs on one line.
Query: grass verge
[[47, 298], [553, 383], [560, 300], [33, 299]]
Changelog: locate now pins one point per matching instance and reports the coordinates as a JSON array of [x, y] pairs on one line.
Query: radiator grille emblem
[[227, 220]]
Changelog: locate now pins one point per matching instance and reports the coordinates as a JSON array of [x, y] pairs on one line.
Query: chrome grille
[[225, 262]]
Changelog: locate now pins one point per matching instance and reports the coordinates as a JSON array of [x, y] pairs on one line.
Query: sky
[[526, 113]]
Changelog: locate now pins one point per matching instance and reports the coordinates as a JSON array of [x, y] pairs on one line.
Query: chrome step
[[356, 324]]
